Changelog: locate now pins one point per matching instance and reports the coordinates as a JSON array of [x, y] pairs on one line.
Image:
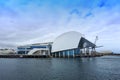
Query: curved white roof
[[68, 40]]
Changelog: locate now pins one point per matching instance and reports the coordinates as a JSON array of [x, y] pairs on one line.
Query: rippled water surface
[[99, 68]]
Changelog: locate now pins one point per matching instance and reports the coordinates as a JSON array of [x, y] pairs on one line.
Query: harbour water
[[96, 68]]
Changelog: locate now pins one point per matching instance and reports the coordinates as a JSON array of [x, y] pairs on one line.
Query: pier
[[54, 56], [46, 56], [23, 56]]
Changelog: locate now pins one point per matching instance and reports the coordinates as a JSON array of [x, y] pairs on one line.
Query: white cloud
[[42, 24]]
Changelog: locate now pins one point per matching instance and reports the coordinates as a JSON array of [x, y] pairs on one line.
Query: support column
[[90, 51], [55, 55], [63, 53], [73, 53], [59, 54], [51, 55], [94, 50], [48, 52], [81, 52], [87, 50], [68, 53], [84, 51]]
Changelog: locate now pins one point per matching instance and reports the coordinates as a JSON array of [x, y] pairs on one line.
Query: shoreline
[[48, 56], [23, 56]]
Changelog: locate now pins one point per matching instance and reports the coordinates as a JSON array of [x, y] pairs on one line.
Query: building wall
[[26, 49], [70, 43]]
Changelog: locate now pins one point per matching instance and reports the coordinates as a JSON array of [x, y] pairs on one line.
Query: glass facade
[[38, 47], [25, 50], [70, 52]]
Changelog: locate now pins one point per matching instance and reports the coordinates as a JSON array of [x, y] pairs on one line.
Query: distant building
[[7, 51]]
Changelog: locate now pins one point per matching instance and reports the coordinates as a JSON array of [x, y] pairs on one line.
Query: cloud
[[31, 21], [75, 11]]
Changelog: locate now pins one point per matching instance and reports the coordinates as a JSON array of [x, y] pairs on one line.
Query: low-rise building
[[38, 48], [7, 51]]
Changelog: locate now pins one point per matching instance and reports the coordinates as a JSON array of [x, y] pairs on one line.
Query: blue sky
[[33, 21]]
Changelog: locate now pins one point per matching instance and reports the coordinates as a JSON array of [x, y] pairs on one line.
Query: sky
[[35, 21]]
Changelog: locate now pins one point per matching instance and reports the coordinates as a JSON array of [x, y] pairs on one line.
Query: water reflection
[[98, 68]]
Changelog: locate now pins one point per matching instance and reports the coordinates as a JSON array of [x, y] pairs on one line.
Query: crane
[[93, 48], [96, 40]]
